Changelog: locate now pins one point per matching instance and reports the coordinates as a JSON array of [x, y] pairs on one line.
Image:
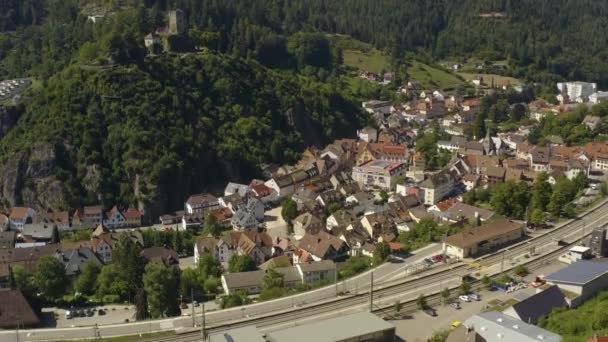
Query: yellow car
[[456, 324]]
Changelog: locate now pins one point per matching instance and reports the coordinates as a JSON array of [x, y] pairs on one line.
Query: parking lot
[[106, 314], [420, 326], [11, 88]]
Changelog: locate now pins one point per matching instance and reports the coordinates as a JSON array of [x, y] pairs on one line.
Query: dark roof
[[579, 273], [164, 255], [541, 304], [15, 310], [75, 260]]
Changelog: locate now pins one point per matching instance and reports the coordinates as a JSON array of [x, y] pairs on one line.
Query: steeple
[[488, 143]]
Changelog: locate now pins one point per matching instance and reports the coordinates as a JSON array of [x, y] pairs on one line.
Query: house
[[307, 223], [592, 122], [132, 217], [340, 218], [361, 326], [539, 158], [541, 304], [496, 326], [91, 216], [248, 282], [283, 185], [26, 257], [583, 278], [470, 181], [16, 311], [75, 260], [368, 134], [256, 245], [201, 203], [220, 249], [598, 97], [360, 202], [61, 219], [305, 199], [377, 224], [40, 232], [19, 216], [437, 187], [323, 246], [251, 282], [482, 239], [114, 218], [471, 213], [243, 220], [376, 173], [494, 175], [161, 255], [328, 197], [317, 272], [236, 189], [264, 193]]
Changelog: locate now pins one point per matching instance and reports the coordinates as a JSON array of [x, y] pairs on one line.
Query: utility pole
[[192, 304], [371, 293], [203, 333]]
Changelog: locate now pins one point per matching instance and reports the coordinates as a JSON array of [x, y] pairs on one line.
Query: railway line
[[356, 302]]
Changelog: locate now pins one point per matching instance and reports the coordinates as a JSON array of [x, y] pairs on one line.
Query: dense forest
[[543, 40], [174, 125]]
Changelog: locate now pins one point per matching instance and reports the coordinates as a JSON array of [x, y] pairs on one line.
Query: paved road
[[286, 306]]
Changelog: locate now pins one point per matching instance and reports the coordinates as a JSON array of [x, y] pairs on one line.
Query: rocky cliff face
[[30, 178]]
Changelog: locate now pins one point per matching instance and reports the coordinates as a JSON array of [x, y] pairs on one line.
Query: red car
[[437, 258]]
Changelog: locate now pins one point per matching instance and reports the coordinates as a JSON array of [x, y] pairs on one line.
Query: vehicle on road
[[456, 324], [455, 305], [475, 297], [464, 298], [430, 312]]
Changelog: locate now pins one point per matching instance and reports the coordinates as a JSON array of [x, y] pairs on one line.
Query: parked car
[[69, 314], [437, 258], [90, 312], [428, 261], [464, 298], [475, 297], [101, 312], [455, 305], [195, 304], [456, 324], [430, 312]]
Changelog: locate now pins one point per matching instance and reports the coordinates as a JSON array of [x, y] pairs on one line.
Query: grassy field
[[372, 60], [433, 78], [487, 78]]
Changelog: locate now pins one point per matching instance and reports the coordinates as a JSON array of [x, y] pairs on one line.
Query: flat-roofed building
[[362, 326], [583, 278], [378, 173], [483, 239]]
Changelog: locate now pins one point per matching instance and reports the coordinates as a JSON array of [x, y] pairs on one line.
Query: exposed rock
[[29, 178]]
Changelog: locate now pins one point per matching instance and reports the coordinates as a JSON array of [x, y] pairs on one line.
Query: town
[[410, 180], [269, 171]]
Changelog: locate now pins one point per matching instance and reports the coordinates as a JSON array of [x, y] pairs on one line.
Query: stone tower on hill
[[177, 22]]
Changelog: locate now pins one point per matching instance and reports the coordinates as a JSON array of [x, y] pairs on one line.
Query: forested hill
[[543, 39], [152, 134]]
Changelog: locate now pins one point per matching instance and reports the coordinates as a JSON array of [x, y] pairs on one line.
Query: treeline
[[543, 40]]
